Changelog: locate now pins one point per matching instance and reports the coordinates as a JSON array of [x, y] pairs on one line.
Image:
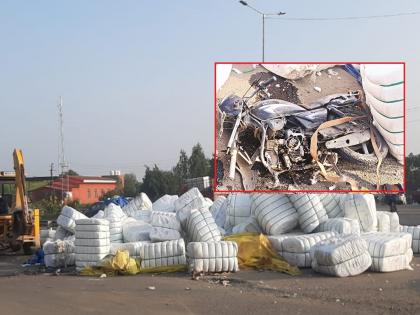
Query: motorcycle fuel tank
[[271, 109]]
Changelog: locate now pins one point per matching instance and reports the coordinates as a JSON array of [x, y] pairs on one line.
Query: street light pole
[[263, 16]]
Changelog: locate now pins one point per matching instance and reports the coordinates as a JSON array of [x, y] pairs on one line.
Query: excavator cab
[[19, 225]]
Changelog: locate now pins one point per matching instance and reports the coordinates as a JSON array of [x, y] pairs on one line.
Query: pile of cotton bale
[[335, 234]]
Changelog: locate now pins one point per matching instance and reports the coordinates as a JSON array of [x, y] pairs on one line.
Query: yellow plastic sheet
[[255, 251], [122, 264]]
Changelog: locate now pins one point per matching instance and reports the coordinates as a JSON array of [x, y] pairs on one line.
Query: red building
[[85, 189]]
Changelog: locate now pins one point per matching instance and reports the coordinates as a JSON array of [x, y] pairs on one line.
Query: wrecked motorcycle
[[282, 132]]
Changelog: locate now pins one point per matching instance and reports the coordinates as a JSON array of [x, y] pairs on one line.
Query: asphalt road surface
[[246, 292]]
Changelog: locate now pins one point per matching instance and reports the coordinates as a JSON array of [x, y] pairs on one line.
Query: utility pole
[[51, 172], [61, 157], [264, 16]]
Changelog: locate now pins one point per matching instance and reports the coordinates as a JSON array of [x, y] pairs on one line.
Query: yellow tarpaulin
[[122, 264], [255, 251]]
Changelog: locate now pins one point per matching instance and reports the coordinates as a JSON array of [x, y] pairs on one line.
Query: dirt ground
[[245, 292], [299, 91]]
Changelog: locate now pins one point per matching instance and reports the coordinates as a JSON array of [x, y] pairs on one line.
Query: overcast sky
[[137, 76]]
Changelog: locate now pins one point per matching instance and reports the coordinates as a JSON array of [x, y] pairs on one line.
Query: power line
[[366, 17]]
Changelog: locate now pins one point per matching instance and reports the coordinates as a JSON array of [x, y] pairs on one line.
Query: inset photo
[[310, 127]]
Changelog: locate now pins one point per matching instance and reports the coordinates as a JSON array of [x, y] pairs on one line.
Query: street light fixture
[[263, 15]]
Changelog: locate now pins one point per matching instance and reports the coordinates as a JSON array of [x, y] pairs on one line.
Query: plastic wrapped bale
[[141, 202], [67, 218], [389, 251], [361, 207], [133, 248], [143, 215], [250, 225], [59, 253], [115, 216], [163, 254], [277, 240], [192, 199], [238, 209], [61, 233], [165, 203], [47, 234], [332, 205], [114, 210], [297, 249], [341, 256], [213, 256], [415, 235], [136, 231], [384, 222], [394, 220], [201, 227], [92, 241], [160, 234], [218, 211], [310, 210], [209, 202], [340, 226], [275, 213], [166, 227], [167, 220]]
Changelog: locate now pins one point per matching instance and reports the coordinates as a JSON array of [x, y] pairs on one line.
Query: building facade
[[85, 189]]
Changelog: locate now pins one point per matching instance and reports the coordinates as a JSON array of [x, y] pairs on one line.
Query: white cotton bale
[[238, 208], [274, 212], [200, 227], [136, 231], [250, 225], [340, 226], [213, 256], [192, 199], [163, 254], [310, 210], [332, 205], [160, 234], [361, 207], [415, 235]]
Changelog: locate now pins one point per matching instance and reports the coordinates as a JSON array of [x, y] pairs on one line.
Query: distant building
[[85, 189]]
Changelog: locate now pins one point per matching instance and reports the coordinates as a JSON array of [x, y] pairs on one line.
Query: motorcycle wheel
[[359, 155]]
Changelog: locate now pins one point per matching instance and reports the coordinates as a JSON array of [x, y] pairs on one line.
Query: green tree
[[130, 185], [71, 172], [157, 183], [199, 165], [182, 168]]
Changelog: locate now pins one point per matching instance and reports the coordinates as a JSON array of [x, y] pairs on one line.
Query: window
[[88, 193], [96, 193]]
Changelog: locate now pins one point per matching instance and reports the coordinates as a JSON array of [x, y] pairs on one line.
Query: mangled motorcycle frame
[[293, 137]]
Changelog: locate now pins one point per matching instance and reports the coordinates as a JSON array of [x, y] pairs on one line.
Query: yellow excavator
[[19, 225]]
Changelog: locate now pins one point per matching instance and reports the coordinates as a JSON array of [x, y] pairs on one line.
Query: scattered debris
[[151, 288], [317, 88]]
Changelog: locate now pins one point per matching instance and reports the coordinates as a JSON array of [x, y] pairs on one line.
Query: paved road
[[246, 292]]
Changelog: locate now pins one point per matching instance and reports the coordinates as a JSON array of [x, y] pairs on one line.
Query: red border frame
[[309, 191]]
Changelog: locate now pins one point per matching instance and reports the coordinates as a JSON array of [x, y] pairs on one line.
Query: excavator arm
[[21, 200]]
